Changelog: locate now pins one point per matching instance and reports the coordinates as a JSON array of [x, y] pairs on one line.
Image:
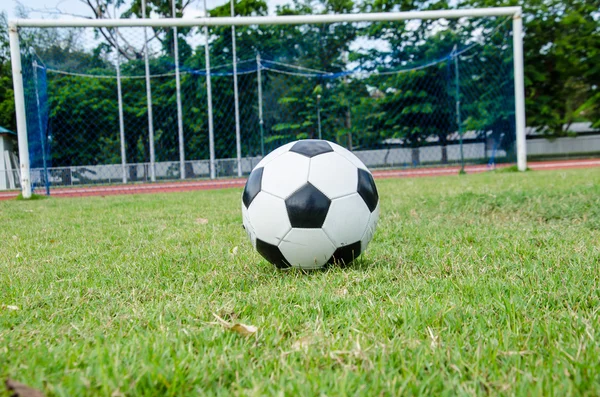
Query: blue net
[[408, 94], [38, 129]]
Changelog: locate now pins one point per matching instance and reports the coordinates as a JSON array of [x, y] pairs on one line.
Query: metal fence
[[102, 104]]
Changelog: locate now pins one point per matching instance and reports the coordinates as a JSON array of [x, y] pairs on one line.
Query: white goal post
[[514, 12]]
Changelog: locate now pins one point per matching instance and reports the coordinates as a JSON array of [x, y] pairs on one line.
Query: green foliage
[[286, 98], [562, 58], [7, 103], [7, 100], [33, 197], [512, 168], [412, 108]]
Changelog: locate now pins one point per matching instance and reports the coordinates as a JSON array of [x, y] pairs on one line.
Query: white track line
[[566, 164], [158, 186], [239, 182]]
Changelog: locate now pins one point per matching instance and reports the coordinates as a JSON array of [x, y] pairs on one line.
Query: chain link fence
[[401, 94]]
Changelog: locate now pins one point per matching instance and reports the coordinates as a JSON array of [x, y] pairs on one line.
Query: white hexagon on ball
[[310, 203], [268, 218], [347, 220], [274, 154], [333, 174], [307, 248], [348, 155], [371, 227], [282, 184], [248, 225]]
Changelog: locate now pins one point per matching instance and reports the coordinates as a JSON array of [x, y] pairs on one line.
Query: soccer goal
[[119, 102]]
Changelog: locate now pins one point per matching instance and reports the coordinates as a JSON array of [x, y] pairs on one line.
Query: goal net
[[114, 105]]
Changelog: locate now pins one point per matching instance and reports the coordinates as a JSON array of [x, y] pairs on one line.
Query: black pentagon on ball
[[272, 253], [311, 147], [346, 254], [367, 189], [253, 185], [307, 207]]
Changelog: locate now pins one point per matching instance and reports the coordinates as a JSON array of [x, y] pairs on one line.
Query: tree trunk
[[132, 173], [444, 154], [485, 147], [416, 160], [66, 176], [349, 127], [189, 171]]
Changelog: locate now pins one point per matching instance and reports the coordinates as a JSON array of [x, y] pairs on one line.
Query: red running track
[[163, 187]]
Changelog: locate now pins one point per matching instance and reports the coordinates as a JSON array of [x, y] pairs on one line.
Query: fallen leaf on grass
[[342, 292], [202, 221], [21, 390], [302, 343], [117, 393], [434, 338], [242, 329], [10, 307], [516, 353], [234, 251]]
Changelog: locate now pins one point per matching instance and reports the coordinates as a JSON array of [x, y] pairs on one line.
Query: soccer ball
[[309, 203]]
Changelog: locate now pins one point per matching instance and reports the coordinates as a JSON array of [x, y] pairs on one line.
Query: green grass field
[[473, 285]]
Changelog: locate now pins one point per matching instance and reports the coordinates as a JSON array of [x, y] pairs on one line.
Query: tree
[[317, 49], [162, 8], [411, 98], [7, 99], [114, 9], [392, 99], [250, 41], [562, 61]]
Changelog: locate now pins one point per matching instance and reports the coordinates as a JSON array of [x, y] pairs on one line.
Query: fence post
[[457, 98], [120, 102], [149, 99], [519, 90], [178, 88], [238, 143], [17, 75], [319, 115], [41, 127], [211, 134], [260, 105]]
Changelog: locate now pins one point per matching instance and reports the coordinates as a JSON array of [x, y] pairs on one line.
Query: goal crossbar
[[270, 20]]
